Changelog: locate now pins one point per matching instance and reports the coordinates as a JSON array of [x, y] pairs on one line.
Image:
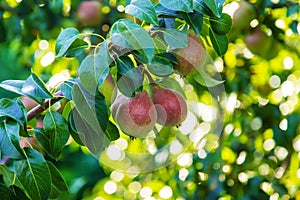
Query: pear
[[89, 13], [170, 105], [191, 57], [135, 116]]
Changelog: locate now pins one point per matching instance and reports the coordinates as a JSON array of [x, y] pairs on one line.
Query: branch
[[37, 110]]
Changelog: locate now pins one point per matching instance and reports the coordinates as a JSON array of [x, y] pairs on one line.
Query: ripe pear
[[170, 106], [89, 13], [191, 57], [108, 89], [135, 116]]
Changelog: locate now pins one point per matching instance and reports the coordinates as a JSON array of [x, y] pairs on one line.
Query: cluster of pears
[[137, 116]]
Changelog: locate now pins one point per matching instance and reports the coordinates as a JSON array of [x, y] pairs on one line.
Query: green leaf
[[72, 128], [68, 41], [92, 108], [213, 5], [13, 86], [160, 66], [175, 39], [55, 134], [112, 132], [93, 71], [66, 89], [206, 80], [91, 138], [221, 25], [129, 77], [9, 177], [219, 42], [58, 184], [35, 88], [142, 9], [173, 84], [34, 175], [6, 193], [160, 45], [195, 20], [19, 193], [165, 12], [9, 137], [179, 5], [12, 109], [130, 35], [201, 7]]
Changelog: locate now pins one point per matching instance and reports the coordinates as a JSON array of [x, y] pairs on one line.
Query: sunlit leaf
[[130, 35], [142, 9]]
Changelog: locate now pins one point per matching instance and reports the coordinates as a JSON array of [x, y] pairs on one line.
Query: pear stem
[[151, 80]]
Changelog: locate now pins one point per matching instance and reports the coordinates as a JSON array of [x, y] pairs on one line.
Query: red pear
[[170, 105], [191, 57], [135, 116], [89, 13]]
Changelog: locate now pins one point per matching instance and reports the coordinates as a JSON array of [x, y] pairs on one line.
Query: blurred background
[[258, 152]]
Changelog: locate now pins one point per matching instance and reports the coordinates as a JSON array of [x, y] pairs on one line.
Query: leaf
[[9, 177], [13, 86], [142, 9], [6, 193], [19, 193], [168, 23], [160, 66], [179, 5], [72, 128], [68, 39], [112, 132], [175, 39], [77, 48], [219, 42], [201, 7], [12, 109], [160, 45], [92, 108], [58, 184], [130, 35], [91, 138], [172, 83], [195, 20], [206, 80], [66, 89], [165, 12], [35, 88], [34, 175], [129, 77], [9, 137], [214, 6], [93, 71], [55, 134]]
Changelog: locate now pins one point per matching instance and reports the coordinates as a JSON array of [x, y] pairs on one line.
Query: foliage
[[241, 136]]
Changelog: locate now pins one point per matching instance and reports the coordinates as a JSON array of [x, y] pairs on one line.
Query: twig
[[37, 110]]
